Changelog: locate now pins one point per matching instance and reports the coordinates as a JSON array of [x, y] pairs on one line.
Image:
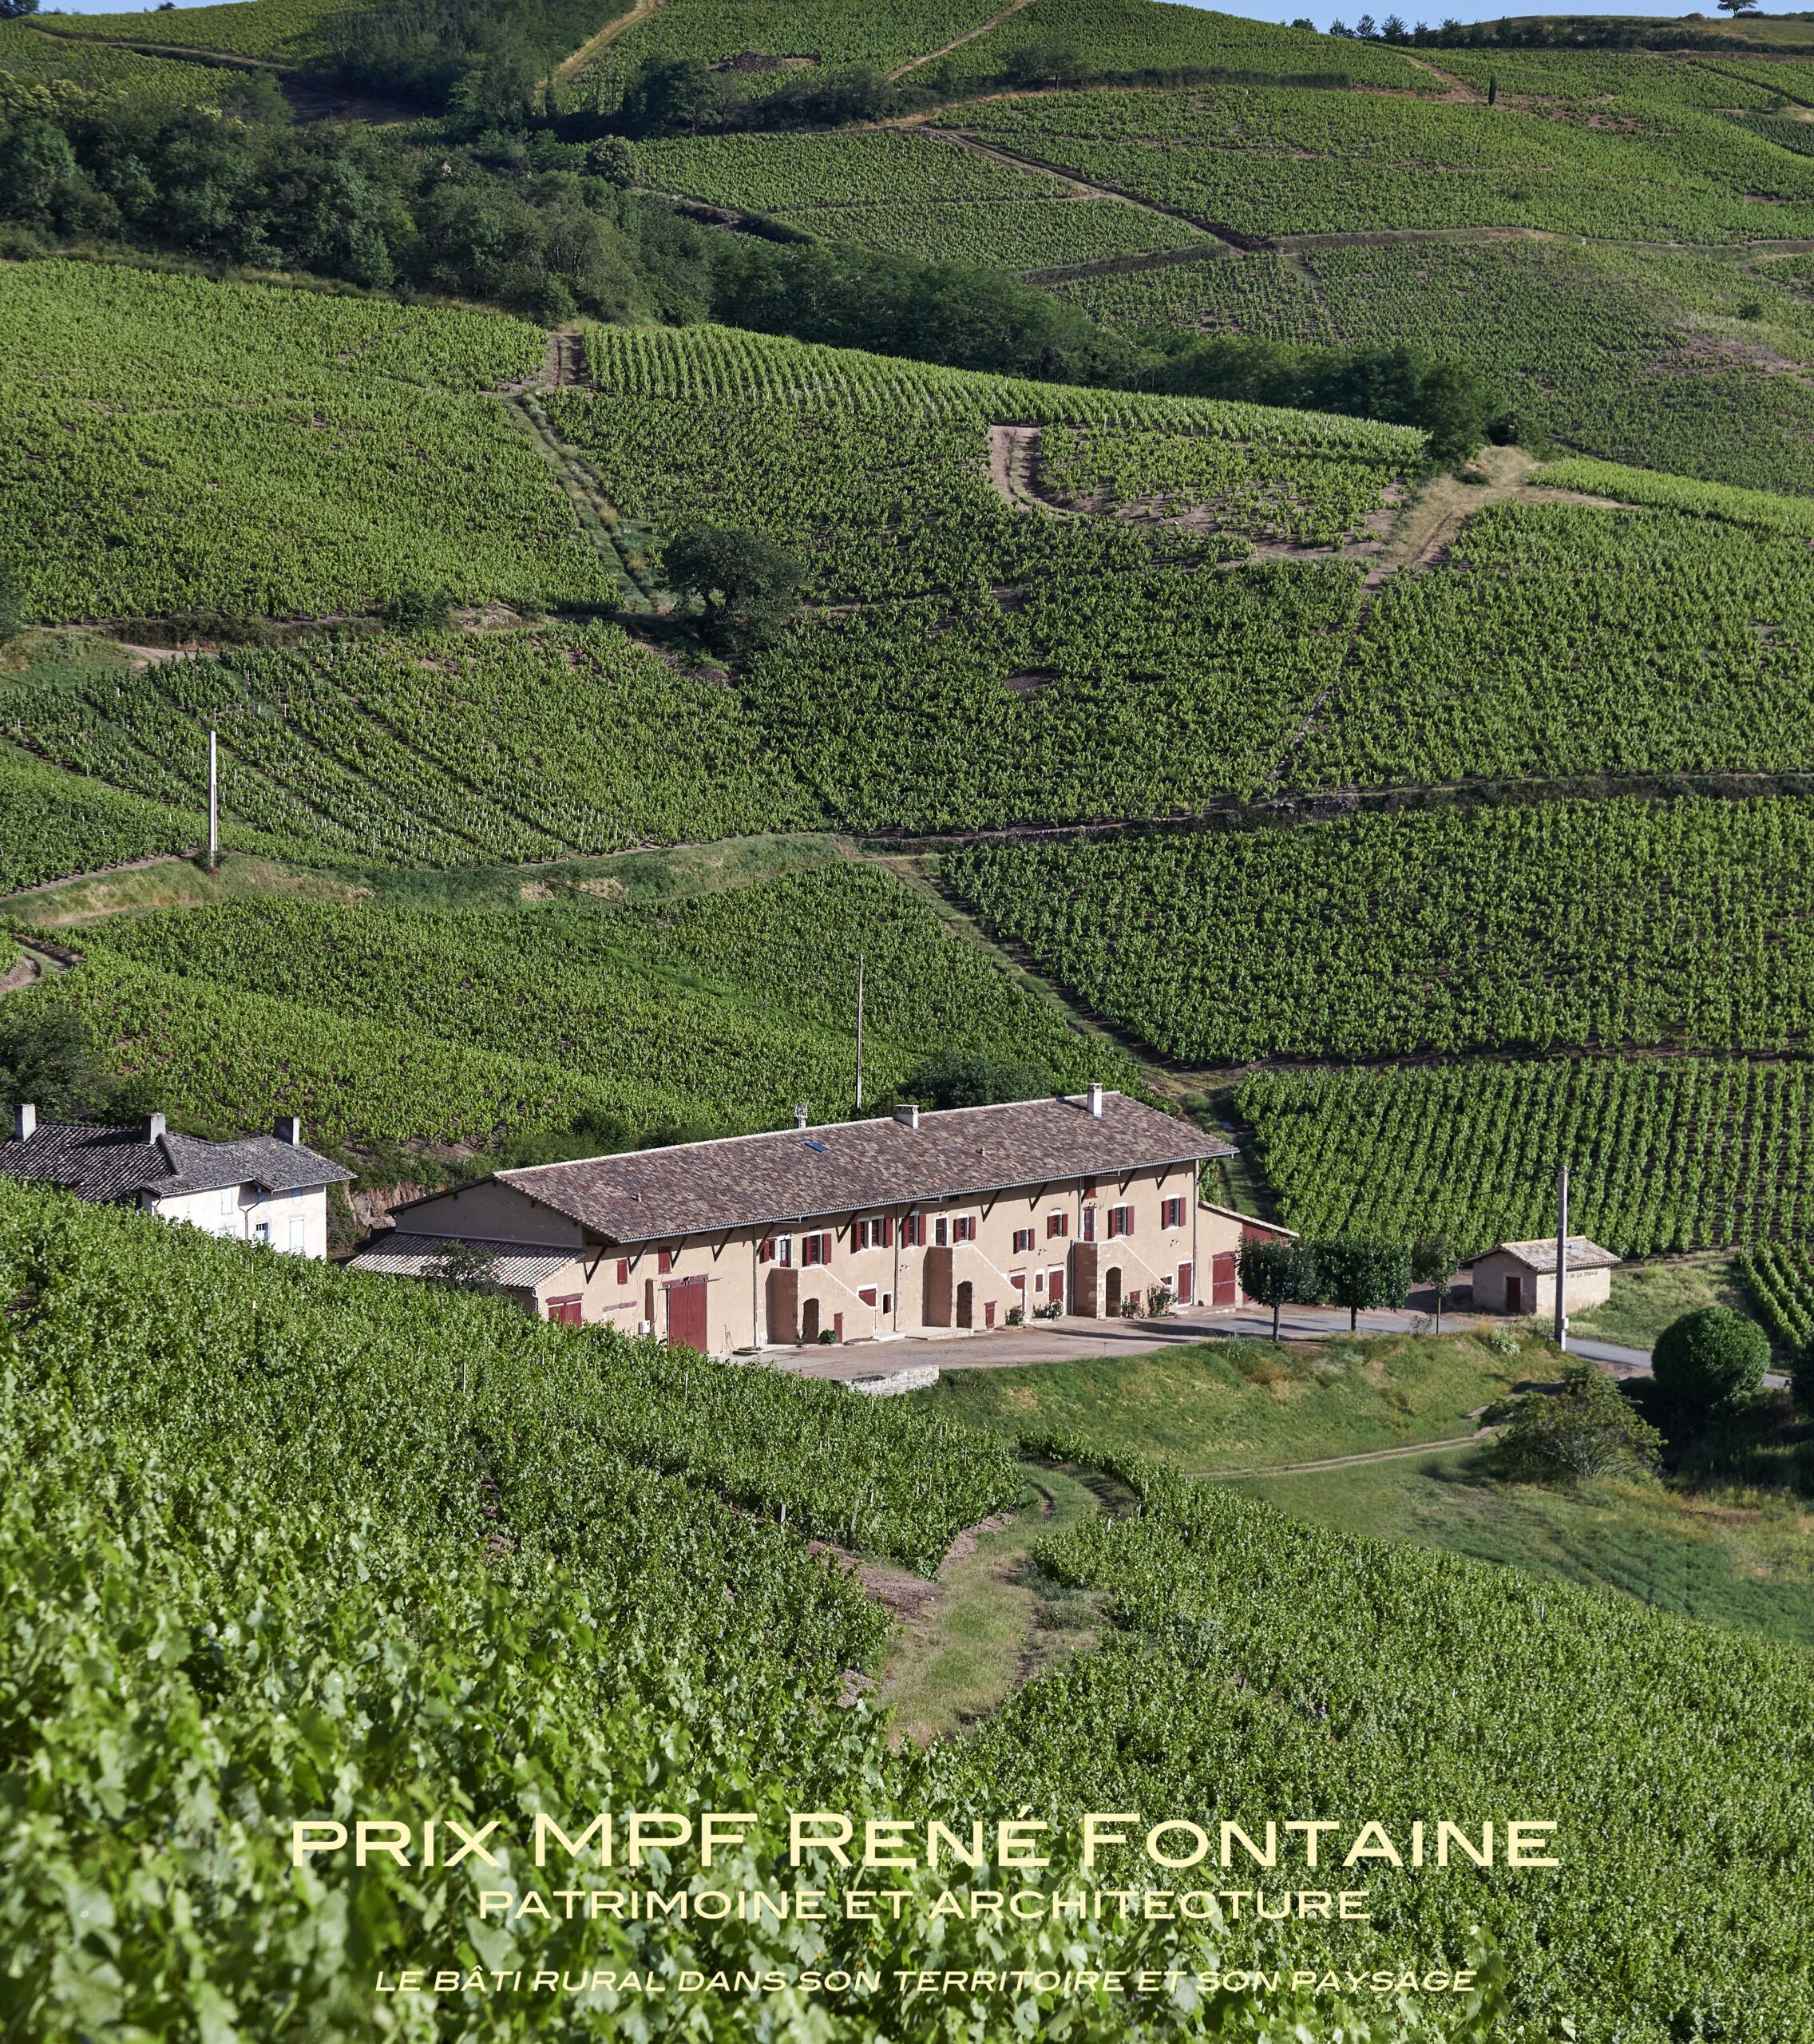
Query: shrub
[[1710, 1361], [1586, 1427]]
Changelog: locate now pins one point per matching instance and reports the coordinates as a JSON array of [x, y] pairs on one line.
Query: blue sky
[[1319, 11]]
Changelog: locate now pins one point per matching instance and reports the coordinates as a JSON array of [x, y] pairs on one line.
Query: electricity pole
[[859, 1032], [1561, 1259], [213, 802]]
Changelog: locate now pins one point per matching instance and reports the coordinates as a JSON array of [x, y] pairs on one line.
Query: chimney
[[287, 1128], [25, 1122], [801, 1112], [1093, 1099], [153, 1129], [908, 1114]]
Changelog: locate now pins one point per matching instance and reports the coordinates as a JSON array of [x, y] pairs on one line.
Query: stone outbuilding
[[1520, 1277]]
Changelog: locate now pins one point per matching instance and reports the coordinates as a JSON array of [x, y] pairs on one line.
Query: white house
[[256, 1188]]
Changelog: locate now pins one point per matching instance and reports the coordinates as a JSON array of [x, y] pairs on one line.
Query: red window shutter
[[623, 1271], [888, 1231], [664, 1262]]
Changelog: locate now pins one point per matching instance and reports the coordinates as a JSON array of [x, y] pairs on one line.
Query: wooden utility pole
[[859, 1032], [1561, 1259], [213, 802]]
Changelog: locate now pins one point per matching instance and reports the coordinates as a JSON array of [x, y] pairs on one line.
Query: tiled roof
[[105, 1164], [843, 1168], [1541, 1256], [399, 1255]]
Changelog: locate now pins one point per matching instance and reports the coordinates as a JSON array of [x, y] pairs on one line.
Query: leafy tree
[[613, 159], [1358, 1273], [966, 1078], [819, 99], [11, 10], [422, 610], [1725, 6], [49, 1060], [1044, 64], [1585, 1427], [465, 1267], [1710, 1362], [1278, 1272], [670, 95], [747, 583], [1434, 1262]]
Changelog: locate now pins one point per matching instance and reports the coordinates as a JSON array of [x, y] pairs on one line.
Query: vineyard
[[1616, 923], [240, 1486], [1026, 234], [1780, 1280], [1666, 1154], [1562, 641], [462, 1028], [263, 28], [29, 59], [177, 445], [52, 824], [1668, 359], [448, 749], [1266, 162], [1357, 1675]]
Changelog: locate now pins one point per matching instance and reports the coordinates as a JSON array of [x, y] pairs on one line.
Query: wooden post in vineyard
[[213, 802], [1561, 1259]]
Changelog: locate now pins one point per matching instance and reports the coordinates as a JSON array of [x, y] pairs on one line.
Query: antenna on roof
[[859, 1032]]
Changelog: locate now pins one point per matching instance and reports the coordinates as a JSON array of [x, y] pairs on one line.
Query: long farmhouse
[[925, 1223]]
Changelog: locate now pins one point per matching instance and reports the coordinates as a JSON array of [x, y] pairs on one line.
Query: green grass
[[1646, 1297], [1742, 1559], [995, 1619], [1223, 1405]]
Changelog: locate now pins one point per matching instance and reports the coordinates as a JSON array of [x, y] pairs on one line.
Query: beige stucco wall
[[629, 1288], [295, 1223]]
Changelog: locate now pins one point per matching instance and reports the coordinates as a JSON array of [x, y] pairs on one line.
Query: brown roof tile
[[845, 1168]]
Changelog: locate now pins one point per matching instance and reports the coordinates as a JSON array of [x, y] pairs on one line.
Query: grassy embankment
[[1725, 1538]]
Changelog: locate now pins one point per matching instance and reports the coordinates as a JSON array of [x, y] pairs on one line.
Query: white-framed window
[[298, 1234], [229, 1201], [941, 1232], [868, 1293], [261, 1231], [963, 1228], [1120, 1222], [1171, 1213], [1058, 1226], [1023, 1241], [1089, 1224], [876, 1232], [1038, 1280]]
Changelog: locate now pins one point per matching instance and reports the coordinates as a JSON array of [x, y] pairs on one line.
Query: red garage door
[[687, 1313], [1225, 1290]]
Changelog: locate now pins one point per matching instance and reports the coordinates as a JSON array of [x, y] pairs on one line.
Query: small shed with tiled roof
[[1520, 1277]]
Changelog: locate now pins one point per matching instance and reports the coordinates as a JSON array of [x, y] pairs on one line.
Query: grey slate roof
[[1541, 1256], [105, 1163], [400, 1255], [845, 1167]]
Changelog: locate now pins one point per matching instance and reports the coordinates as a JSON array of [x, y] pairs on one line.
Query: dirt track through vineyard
[[595, 46], [957, 42]]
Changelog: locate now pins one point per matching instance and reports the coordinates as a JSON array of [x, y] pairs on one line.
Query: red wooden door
[[1186, 1284], [1055, 1285], [687, 1313], [1224, 1286]]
